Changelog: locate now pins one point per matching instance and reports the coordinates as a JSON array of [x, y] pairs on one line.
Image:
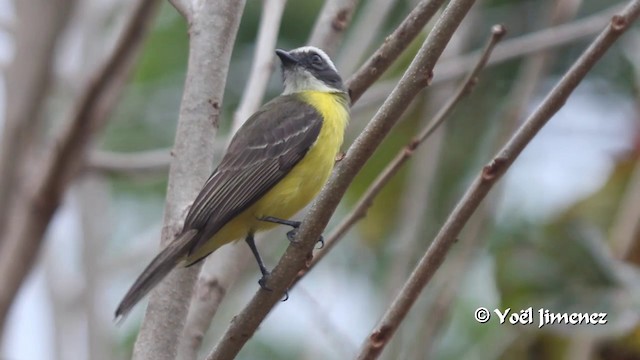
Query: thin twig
[[524, 86], [184, 7], [392, 47], [263, 64], [331, 24], [30, 217], [212, 29], [294, 258], [360, 209], [149, 161], [360, 38], [532, 43], [489, 175], [625, 230]]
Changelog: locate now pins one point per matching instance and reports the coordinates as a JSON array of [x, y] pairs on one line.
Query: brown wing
[[261, 153]]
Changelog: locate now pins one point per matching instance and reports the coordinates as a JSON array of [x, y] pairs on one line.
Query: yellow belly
[[297, 188]]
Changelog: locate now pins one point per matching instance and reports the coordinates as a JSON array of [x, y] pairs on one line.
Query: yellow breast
[[304, 181]]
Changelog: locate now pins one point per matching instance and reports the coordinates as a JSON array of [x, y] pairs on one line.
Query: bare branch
[[30, 216], [363, 33], [489, 175], [262, 62], [360, 209], [150, 161], [28, 77], [218, 274], [392, 47], [223, 267], [415, 79], [531, 43], [213, 30], [184, 7], [509, 49], [531, 73], [331, 24], [625, 231]]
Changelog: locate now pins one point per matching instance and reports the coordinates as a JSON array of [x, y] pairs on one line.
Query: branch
[[28, 77], [415, 79], [222, 268], [531, 72], [184, 7], [510, 49], [149, 161], [363, 33], [30, 217], [360, 209], [489, 175], [262, 66], [331, 24], [392, 47], [531, 43], [212, 29]]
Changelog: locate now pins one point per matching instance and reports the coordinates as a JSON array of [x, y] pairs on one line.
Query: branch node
[[619, 23], [380, 337], [494, 168], [341, 20], [498, 31], [411, 146]]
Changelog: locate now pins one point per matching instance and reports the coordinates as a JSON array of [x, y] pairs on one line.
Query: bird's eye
[[316, 60]]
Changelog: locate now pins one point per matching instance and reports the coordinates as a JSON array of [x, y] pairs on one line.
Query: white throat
[[298, 80]]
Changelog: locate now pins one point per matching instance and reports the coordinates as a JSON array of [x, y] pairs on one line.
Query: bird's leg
[[256, 254], [291, 235], [263, 269]]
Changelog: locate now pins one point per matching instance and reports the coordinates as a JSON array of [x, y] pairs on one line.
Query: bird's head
[[309, 69]]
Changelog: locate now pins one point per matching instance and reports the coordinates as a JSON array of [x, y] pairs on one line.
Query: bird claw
[[263, 282], [263, 285], [291, 235]]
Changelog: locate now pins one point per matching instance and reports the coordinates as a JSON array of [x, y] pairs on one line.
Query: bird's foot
[[263, 285]]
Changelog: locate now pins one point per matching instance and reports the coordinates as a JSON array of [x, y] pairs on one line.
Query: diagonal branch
[[360, 209], [30, 217], [28, 77], [527, 44], [415, 79], [490, 174], [393, 45]]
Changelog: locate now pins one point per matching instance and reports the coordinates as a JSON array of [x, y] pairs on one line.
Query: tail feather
[[159, 267]]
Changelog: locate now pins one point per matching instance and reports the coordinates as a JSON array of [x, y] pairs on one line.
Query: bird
[[275, 164]]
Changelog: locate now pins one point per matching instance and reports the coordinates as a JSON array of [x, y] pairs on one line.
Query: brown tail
[[159, 267]]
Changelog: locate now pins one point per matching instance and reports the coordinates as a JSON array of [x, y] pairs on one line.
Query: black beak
[[286, 58]]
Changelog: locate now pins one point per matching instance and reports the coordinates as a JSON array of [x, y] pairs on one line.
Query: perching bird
[[274, 166]]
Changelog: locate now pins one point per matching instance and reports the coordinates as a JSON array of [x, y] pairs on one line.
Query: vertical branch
[[38, 200], [489, 175], [221, 268], [38, 26], [395, 43], [213, 29]]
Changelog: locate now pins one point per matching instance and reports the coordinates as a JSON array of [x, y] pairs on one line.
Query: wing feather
[[263, 151]]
